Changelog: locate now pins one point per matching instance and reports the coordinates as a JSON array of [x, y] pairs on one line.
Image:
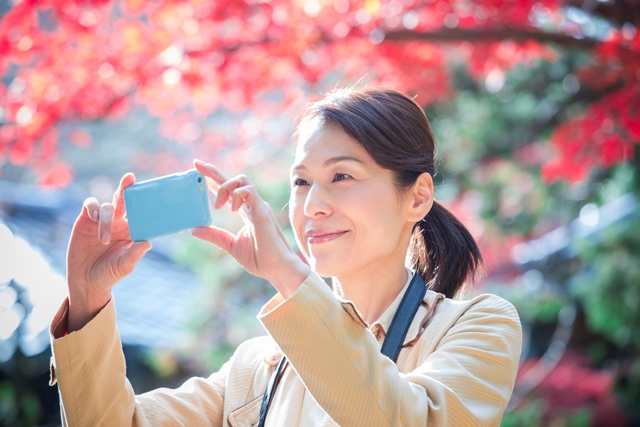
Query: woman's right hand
[[100, 254], [260, 246]]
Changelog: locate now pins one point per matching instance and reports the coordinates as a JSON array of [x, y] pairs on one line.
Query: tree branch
[[617, 12], [532, 130], [586, 96], [492, 35]]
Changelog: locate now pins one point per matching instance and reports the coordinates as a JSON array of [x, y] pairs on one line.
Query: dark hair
[[395, 132]]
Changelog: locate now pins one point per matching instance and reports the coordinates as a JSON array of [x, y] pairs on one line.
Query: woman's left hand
[[260, 246]]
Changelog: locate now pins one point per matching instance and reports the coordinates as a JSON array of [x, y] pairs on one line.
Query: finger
[[225, 192], [241, 195], [132, 256], [91, 207], [219, 237], [118, 197], [105, 222], [211, 171]]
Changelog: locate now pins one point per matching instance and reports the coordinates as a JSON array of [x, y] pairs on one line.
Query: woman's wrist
[[84, 306], [291, 277]]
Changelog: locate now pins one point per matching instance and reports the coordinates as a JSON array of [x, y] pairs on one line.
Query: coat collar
[[379, 328]]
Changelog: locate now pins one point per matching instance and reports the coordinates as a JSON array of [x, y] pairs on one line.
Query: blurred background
[[536, 110]]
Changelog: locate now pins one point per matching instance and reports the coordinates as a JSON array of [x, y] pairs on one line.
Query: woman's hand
[[260, 246], [100, 254]]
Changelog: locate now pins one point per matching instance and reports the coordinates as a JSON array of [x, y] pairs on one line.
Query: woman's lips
[[315, 237]]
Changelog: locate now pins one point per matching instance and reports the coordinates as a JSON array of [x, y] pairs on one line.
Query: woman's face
[[347, 215]]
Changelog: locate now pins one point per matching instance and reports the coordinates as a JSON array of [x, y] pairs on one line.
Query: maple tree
[[67, 61], [72, 59]]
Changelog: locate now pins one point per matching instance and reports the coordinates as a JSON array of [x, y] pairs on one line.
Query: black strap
[[402, 319], [390, 347], [271, 389]]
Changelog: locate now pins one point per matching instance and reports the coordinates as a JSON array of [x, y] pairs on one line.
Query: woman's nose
[[317, 202]]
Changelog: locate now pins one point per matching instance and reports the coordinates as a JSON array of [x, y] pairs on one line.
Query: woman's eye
[[341, 177], [299, 181]]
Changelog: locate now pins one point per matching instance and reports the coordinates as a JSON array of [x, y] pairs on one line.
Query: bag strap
[[402, 319], [390, 347], [271, 389]]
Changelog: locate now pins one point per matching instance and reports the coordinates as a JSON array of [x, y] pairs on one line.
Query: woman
[[362, 206]]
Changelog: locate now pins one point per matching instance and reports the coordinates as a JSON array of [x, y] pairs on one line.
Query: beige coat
[[457, 368]]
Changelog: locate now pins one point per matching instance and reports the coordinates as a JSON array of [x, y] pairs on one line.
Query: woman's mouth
[[322, 236]]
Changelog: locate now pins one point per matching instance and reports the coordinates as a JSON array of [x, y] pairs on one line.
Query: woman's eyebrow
[[329, 162], [334, 160]]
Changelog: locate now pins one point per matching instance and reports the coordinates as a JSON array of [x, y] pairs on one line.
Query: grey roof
[[153, 304], [590, 224]]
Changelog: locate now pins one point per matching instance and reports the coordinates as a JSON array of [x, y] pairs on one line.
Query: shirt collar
[[387, 316], [379, 327]]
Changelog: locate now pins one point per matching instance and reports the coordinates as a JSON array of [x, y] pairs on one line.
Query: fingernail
[[104, 238], [94, 215]]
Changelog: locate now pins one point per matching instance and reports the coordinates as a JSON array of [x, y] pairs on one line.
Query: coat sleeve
[[466, 379], [89, 368]]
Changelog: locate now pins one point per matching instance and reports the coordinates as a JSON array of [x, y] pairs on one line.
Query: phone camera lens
[[200, 179]]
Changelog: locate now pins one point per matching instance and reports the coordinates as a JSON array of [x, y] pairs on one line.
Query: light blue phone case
[[167, 205]]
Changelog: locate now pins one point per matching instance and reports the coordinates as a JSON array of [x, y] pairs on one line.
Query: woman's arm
[[90, 370], [467, 380], [88, 362], [100, 254]]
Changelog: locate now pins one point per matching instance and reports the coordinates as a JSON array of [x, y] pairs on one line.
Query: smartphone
[[167, 205]]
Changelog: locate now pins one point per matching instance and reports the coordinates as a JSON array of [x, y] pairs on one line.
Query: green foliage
[[535, 415], [7, 401], [490, 146], [529, 416], [609, 286], [628, 388], [18, 408], [535, 300]]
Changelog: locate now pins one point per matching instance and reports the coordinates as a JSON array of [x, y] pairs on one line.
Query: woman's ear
[[422, 196]]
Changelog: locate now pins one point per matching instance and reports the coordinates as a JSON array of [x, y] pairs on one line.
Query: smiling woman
[[385, 345], [350, 222], [389, 133]]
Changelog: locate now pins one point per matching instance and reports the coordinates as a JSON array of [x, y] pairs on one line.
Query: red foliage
[[77, 59], [573, 384], [80, 138], [59, 175], [604, 135], [607, 132]]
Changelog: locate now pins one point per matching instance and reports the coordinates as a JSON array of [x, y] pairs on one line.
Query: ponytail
[[443, 252]]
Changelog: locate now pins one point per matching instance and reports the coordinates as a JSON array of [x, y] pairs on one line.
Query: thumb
[[132, 256], [219, 237]]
